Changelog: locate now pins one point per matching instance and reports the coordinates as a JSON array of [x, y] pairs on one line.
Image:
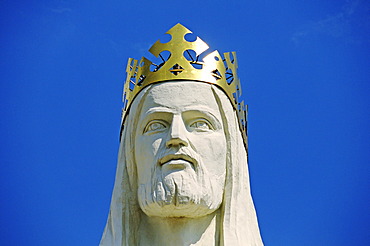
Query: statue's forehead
[[181, 95]]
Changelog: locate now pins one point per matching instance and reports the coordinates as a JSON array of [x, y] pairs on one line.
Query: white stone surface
[[182, 175]]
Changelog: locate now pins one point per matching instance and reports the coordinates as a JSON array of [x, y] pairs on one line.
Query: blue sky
[[304, 68]]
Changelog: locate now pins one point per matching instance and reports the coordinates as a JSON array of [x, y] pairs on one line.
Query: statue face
[[180, 151]]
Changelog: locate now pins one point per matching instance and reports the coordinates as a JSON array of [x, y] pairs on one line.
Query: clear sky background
[[304, 68]]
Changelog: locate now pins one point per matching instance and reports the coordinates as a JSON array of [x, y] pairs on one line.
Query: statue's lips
[[177, 160]]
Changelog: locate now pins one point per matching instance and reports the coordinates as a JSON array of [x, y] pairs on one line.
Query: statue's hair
[[238, 223]]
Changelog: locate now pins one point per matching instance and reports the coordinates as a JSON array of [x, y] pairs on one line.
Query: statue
[[182, 175]]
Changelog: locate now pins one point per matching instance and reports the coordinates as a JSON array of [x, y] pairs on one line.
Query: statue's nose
[[177, 133]]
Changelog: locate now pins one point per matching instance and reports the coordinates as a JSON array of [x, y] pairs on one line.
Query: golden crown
[[184, 63]]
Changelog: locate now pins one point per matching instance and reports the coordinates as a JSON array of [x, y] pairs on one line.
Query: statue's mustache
[[185, 155]]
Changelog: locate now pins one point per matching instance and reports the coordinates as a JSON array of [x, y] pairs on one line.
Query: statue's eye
[[201, 125], [154, 126]]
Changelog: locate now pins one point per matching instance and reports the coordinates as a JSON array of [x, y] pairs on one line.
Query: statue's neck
[[179, 231]]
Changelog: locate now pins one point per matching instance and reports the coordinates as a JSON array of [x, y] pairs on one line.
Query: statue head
[[179, 150], [183, 152]]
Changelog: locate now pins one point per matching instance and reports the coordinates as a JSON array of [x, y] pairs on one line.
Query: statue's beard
[[189, 192]]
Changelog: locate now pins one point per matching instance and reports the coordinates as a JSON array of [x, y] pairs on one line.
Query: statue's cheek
[[156, 145], [212, 148]]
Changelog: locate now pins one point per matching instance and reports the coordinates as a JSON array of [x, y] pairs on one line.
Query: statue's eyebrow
[[201, 109], [155, 112], [159, 110]]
